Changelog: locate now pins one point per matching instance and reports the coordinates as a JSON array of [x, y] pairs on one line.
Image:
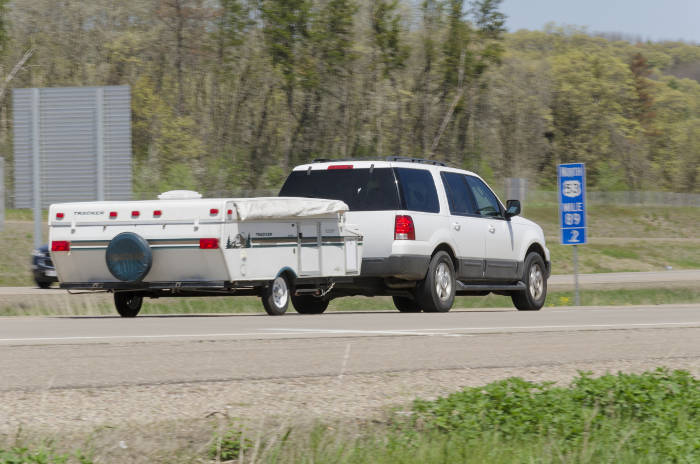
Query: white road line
[[579, 326], [362, 332], [302, 331], [131, 337], [437, 331]]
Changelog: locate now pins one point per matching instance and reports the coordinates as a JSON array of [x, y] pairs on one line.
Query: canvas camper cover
[[263, 208]]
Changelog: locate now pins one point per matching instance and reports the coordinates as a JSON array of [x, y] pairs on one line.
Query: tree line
[[230, 94]]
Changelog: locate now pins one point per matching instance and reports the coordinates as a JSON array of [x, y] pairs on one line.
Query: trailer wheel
[[128, 303], [275, 298], [309, 304]]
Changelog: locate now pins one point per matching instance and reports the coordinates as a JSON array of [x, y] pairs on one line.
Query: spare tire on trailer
[[129, 257]]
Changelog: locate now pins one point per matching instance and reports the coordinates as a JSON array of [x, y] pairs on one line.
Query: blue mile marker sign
[[572, 203]]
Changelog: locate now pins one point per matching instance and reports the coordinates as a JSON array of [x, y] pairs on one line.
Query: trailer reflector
[[59, 215], [60, 245], [112, 214], [157, 213], [208, 243], [135, 214], [213, 211]]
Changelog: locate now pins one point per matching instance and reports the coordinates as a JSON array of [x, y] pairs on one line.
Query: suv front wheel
[[532, 298], [436, 293]]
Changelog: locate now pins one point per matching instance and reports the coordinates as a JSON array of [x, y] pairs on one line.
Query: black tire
[[534, 277], [309, 304], [436, 293], [128, 304], [275, 298], [406, 305], [43, 283]]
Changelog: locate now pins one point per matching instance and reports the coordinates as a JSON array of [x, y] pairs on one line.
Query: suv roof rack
[[415, 160], [388, 158]]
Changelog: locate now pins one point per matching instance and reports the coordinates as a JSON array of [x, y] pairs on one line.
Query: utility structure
[[70, 144]]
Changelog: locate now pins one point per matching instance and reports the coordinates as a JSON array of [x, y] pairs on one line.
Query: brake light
[[213, 211], [403, 228], [112, 214], [157, 213], [208, 243], [135, 214], [60, 245], [59, 215], [340, 166]]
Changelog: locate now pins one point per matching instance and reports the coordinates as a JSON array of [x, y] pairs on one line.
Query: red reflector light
[[213, 211], [60, 245], [403, 228], [135, 214], [208, 243], [157, 213], [59, 216], [229, 212], [340, 166], [112, 214]]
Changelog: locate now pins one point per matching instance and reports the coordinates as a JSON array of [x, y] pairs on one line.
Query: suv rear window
[[418, 190], [361, 189]]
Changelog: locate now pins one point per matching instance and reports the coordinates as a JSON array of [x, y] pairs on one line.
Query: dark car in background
[[42, 267]]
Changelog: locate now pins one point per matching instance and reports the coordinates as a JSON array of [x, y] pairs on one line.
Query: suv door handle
[[492, 229], [456, 225]]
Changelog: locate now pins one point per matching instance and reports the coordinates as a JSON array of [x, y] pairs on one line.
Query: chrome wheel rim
[[536, 282], [443, 282], [280, 294]]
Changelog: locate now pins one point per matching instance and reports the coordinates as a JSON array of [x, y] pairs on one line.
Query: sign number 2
[[574, 236]]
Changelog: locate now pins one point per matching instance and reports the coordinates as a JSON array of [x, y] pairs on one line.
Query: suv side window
[[486, 202], [418, 190], [458, 193]]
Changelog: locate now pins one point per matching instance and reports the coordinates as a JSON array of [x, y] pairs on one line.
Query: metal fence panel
[[73, 134]]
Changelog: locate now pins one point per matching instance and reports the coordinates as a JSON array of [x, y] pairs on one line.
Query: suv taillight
[[403, 228]]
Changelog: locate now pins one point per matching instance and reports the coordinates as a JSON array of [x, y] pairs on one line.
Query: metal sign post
[[572, 211]]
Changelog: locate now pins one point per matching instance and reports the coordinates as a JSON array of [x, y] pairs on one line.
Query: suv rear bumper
[[409, 267]]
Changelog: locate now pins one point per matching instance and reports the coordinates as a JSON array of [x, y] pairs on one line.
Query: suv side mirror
[[512, 208]]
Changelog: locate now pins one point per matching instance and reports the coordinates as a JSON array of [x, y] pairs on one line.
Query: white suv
[[430, 232]]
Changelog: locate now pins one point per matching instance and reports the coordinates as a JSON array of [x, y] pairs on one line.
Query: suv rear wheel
[[309, 304], [532, 298], [436, 293], [406, 305]]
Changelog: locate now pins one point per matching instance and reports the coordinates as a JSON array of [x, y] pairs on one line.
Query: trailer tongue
[[183, 245]]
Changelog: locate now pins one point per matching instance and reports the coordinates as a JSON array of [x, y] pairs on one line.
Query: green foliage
[[655, 414], [230, 445], [237, 90], [333, 36], [386, 34], [286, 28], [25, 455], [4, 26]]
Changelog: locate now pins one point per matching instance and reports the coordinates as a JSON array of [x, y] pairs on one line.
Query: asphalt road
[[47, 353]]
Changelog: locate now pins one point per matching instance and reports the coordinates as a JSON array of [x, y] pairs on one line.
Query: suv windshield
[[361, 189]]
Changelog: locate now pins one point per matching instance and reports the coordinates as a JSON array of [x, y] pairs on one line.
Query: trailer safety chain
[[324, 293]]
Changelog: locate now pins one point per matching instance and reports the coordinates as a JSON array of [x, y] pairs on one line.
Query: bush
[[653, 414]]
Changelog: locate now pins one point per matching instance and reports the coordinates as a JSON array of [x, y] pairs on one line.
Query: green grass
[[651, 417], [625, 418], [64, 304]]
